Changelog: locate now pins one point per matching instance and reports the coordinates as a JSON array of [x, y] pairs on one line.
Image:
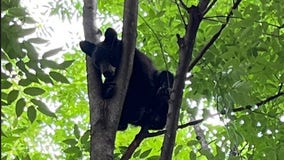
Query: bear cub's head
[[106, 54]]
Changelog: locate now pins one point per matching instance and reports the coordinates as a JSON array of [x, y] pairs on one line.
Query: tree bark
[[105, 114], [186, 45]]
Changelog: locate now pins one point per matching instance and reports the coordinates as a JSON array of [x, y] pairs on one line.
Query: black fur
[[146, 102]]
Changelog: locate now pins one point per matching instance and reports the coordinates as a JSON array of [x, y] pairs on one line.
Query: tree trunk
[[186, 45], [105, 114]]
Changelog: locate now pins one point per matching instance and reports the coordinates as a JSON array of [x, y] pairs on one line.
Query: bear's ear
[[110, 36], [87, 47]]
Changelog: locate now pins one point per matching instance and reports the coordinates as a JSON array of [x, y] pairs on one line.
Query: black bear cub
[[146, 101]]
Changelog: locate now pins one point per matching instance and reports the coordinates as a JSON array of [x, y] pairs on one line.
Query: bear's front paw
[[108, 90]]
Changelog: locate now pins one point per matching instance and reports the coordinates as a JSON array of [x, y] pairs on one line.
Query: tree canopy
[[234, 91]]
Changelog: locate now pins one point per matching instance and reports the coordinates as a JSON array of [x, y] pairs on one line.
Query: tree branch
[[209, 7], [158, 40], [143, 133], [179, 10], [186, 45], [215, 36], [248, 107], [135, 143]]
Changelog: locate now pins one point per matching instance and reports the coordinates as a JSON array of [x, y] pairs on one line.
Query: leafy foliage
[[44, 100]]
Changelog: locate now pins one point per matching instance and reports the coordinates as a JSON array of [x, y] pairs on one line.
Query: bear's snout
[[107, 70]]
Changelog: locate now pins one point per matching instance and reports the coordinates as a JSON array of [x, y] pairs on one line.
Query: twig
[[135, 143], [215, 37], [179, 10], [183, 5], [144, 133], [158, 39], [248, 107], [209, 7]]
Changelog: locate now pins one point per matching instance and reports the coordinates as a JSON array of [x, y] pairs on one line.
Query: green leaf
[[25, 32], [31, 77], [48, 64], [84, 139], [137, 153], [30, 20], [72, 150], [206, 153], [34, 91], [37, 40], [153, 157], [76, 131], [5, 84], [20, 105], [65, 64], [178, 149], [9, 67], [24, 82], [192, 155], [17, 12], [22, 66], [43, 108], [145, 153], [70, 141], [12, 96], [58, 77], [192, 143], [31, 52], [44, 77], [31, 113], [51, 53]]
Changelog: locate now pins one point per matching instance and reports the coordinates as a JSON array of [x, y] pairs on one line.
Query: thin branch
[[248, 107], [266, 115], [201, 137], [183, 5], [209, 7], [221, 16], [280, 88], [179, 10], [135, 143], [158, 40], [191, 123], [144, 133], [215, 37]]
